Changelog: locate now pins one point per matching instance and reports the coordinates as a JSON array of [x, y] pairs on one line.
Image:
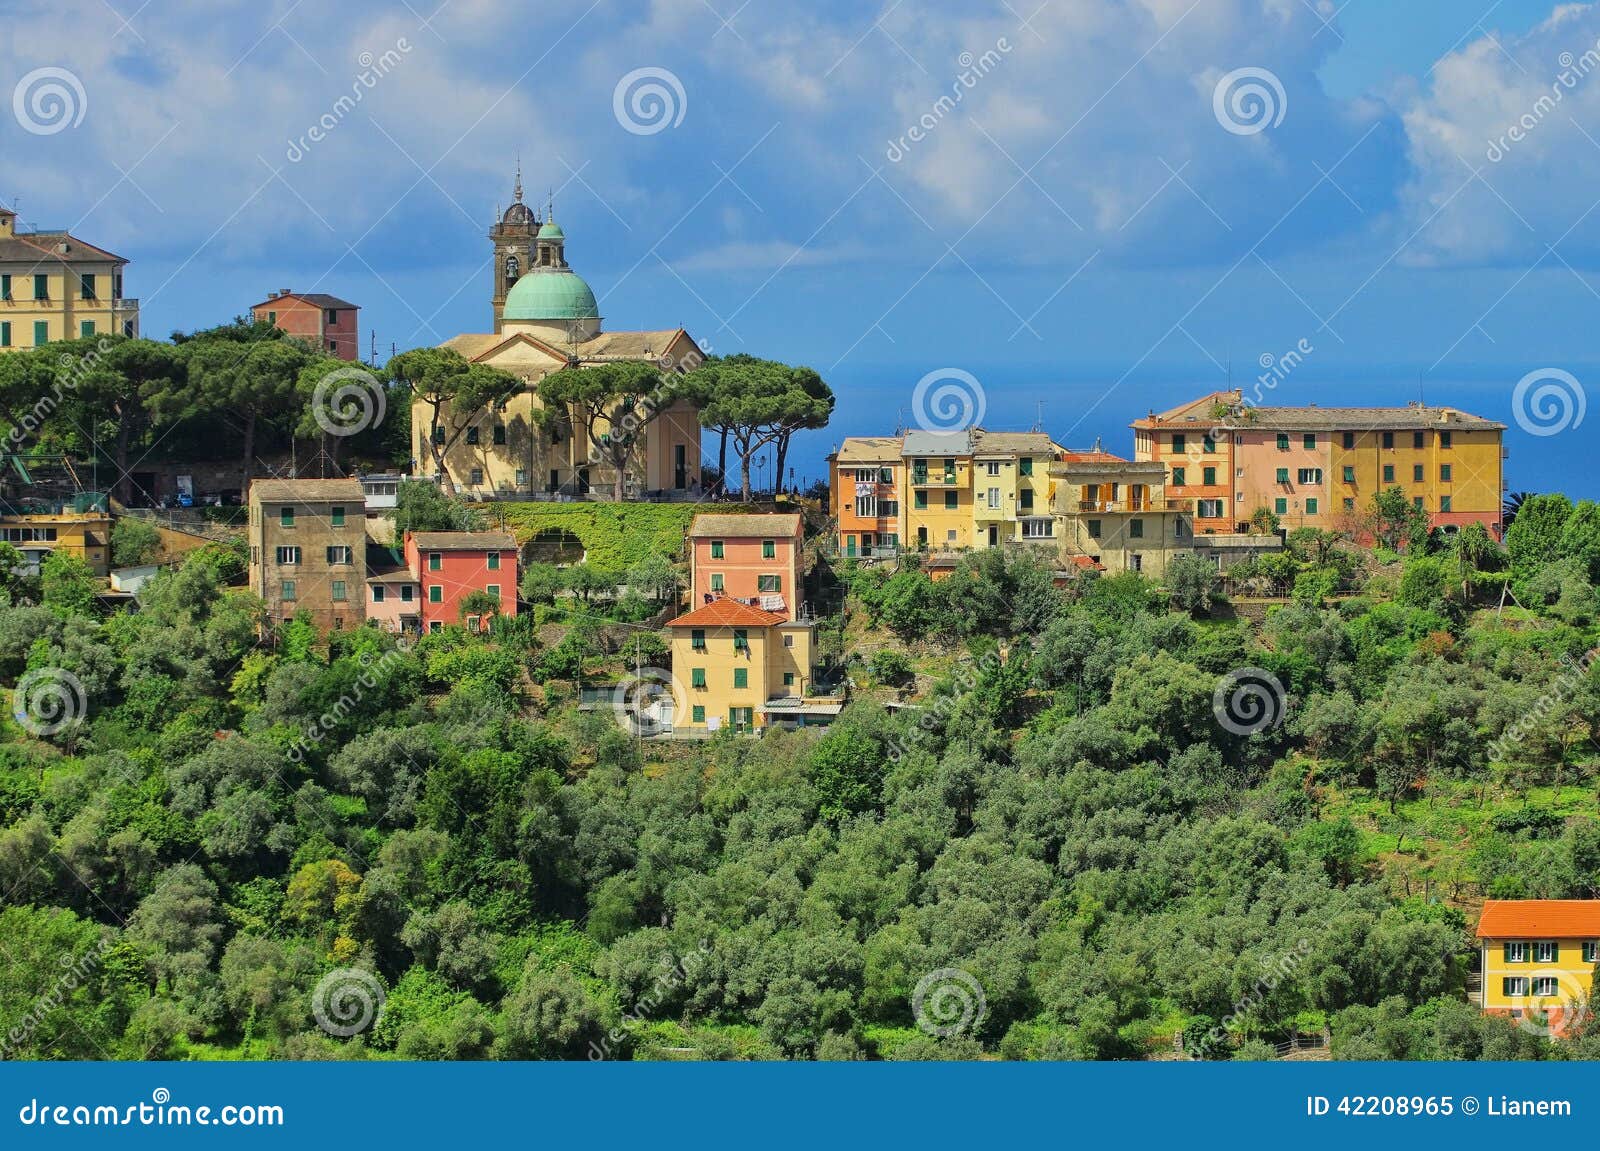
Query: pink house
[[450, 565], [1287, 472], [752, 558], [394, 594]]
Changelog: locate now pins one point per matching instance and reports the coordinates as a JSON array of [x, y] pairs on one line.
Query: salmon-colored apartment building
[[451, 565], [325, 322], [756, 559], [1320, 467]]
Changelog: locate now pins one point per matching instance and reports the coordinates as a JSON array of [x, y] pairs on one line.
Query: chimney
[[283, 292]]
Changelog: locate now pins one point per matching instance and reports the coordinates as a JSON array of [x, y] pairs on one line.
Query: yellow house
[[1116, 514], [37, 529], [1012, 487], [938, 469], [54, 286], [547, 319], [736, 666], [1538, 957], [1448, 463]]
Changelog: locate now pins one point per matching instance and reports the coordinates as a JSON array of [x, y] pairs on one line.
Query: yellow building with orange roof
[[1537, 957]]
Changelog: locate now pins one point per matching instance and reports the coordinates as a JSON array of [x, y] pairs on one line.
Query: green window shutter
[[1311, 507], [769, 549], [699, 713], [1208, 476], [1505, 986], [716, 549], [1025, 466], [920, 500], [1178, 443], [1283, 441], [1507, 953], [950, 499], [1177, 477], [1555, 952], [1280, 507], [1283, 475], [741, 677], [697, 677]]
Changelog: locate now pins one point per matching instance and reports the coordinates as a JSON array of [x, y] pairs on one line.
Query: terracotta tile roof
[[764, 524], [310, 491], [464, 541], [1540, 919], [727, 613]]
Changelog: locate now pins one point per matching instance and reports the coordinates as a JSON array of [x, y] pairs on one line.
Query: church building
[[546, 319]]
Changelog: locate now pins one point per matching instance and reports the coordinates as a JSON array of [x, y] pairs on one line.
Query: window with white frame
[[288, 555], [1591, 951], [1516, 952], [994, 497], [1038, 528], [1544, 985], [992, 467], [1544, 951], [1515, 985]]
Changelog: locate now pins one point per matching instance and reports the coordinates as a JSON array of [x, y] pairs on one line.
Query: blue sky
[[1081, 228]]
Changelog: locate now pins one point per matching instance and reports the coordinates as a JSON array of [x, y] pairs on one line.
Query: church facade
[[546, 319]]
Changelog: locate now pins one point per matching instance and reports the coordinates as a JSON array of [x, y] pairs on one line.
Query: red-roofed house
[[734, 665], [1538, 957]]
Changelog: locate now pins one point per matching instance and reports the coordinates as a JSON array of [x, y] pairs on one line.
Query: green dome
[[551, 295], [550, 230]]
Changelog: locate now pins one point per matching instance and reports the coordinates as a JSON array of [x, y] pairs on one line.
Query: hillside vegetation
[[1080, 840]]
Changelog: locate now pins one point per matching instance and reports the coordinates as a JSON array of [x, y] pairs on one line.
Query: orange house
[[1195, 442], [452, 565], [755, 559]]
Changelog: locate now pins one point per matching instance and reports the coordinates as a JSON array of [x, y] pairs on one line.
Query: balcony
[[933, 479], [1104, 507]]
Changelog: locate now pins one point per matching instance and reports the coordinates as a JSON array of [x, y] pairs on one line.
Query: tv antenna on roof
[[1038, 423]]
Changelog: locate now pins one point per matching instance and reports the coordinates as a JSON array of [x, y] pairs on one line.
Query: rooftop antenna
[[899, 421], [1038, 423]]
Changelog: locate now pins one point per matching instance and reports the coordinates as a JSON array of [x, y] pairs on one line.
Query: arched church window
[[513, 270]]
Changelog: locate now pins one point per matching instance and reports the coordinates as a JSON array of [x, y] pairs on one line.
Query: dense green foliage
[[223, 825]]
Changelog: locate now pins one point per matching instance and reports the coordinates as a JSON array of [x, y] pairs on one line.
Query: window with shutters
[[716, 549], [1349, 439], [1545, 951], [288, 555], [697, 677], [1309, 441], [716, 581], [1178, 443], [1514, 986], [340, 555], [698, 713], [1516, 952], [1283, 475], [1544, 985], [697, 639], [1280, 506], [741, 677], [1177, 477], [1349, 474], [769, 549], [436, 593], [1388, 473], [1208, 476], [741, 639], [1283, 441], [1591, 952], [769, 583], [1388, 439]]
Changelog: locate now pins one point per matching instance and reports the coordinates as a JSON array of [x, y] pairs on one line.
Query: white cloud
[[1520, 111]]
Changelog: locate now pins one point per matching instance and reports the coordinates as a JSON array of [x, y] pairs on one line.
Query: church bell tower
[[514, 236]]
